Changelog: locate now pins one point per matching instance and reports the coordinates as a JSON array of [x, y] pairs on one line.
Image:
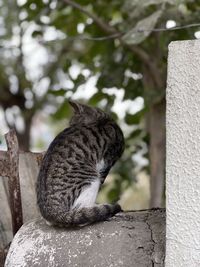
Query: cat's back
[[76, 163], [81, 144]]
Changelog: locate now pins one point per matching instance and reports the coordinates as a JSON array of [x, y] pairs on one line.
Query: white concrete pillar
[[183, 155]]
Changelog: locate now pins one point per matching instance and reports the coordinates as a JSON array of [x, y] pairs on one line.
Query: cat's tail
[[83, 216]]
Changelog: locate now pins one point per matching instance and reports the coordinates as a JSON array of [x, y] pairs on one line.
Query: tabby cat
[[74, 167]]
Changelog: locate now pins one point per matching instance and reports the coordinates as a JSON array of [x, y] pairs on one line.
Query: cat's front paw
[[117, 208]]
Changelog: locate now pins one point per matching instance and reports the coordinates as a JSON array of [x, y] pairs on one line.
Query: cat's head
[[84, 114]]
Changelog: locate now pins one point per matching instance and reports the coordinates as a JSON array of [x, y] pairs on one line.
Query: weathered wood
[[9, 167], [16, 170], [13, 181], [135, 239], [5, 218], [2, 257], [28, 169], [4, 163]]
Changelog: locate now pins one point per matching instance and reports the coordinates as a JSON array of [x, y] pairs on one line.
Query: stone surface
[[183, 155], [135, 239]]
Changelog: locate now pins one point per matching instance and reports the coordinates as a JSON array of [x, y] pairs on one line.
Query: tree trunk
[[24, 137], [157, 152]]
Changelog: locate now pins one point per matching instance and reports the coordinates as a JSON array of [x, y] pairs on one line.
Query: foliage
[[134, 61]]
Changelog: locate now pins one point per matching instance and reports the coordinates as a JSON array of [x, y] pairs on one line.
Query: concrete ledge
[[134, 239]]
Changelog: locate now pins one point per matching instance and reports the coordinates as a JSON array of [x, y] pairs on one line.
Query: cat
[[76, 165]]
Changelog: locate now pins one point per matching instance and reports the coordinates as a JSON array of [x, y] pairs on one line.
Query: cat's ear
[[77, 107]]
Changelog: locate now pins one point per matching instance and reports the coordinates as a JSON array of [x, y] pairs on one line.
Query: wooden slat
[[13, 181], [9, 167], [5, 161], [4, 164]]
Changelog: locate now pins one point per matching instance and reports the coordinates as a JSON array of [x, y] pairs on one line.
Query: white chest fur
[[100, 166], [87, 198]]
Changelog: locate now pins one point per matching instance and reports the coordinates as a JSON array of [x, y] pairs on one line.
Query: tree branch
[[153, 69], [104, 26]]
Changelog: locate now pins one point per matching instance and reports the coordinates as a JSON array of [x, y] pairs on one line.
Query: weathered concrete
[[130, 239], [183, 155]]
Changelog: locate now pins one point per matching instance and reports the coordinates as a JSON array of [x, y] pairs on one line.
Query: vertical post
[[13, 182], [183, 155]]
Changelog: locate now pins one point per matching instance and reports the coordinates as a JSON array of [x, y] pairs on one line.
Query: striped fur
[[76, 163]]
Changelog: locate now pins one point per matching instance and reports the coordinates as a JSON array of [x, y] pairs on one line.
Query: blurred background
[[109, 54]]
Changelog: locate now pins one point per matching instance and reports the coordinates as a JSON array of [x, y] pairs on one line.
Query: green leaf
[[113, 195], [60, 92], [133, 89], [37, 34], [142, 29], [135, 118], [96, 98], [146, 3], [63, 112], [134, 134]]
